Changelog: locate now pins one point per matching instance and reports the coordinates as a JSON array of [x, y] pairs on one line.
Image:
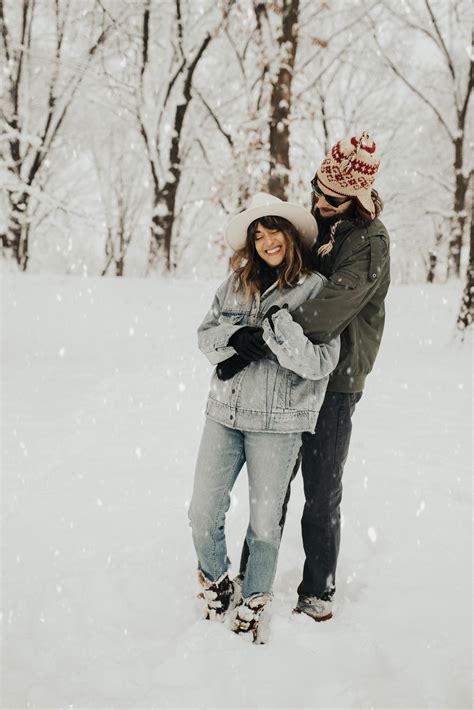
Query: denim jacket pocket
[[301, 393]]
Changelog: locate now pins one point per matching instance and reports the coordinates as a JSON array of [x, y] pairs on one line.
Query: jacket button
[[233, 391], [231, 416]]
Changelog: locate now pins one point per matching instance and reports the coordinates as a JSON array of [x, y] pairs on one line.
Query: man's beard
[[324, 223]]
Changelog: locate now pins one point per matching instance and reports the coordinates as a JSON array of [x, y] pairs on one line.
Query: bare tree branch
[[16, 85], [50, 131], [413, 88], [441, 41], [226, 135], [465, 103], [5, 34], [340, 31]]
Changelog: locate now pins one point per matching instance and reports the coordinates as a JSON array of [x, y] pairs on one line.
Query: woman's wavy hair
[[249, 267], [357, 213]]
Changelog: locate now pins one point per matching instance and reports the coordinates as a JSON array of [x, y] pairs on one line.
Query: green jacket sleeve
[[360, 267]]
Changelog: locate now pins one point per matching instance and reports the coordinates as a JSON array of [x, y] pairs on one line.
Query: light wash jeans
[[270, 461]]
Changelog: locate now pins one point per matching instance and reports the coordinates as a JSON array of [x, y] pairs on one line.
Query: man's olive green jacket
[[351, 304]]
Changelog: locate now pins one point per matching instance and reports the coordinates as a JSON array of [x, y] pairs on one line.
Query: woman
[[267, 389]]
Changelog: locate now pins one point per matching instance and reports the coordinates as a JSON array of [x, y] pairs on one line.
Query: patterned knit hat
[[349, 170]]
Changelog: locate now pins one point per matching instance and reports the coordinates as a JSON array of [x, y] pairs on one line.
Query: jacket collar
[[302, 278]]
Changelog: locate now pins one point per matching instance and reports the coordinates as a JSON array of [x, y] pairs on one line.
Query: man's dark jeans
[[323, 455]]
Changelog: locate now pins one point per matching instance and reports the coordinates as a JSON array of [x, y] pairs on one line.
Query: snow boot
[[239, 581], [317, 609], [249, 621], [221, 596]]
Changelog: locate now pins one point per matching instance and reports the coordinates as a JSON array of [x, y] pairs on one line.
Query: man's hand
[[248, 343], [228, 368]]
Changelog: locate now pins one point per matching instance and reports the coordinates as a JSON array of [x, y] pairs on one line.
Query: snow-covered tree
[[441, 80], [47, 47], [169, 61]]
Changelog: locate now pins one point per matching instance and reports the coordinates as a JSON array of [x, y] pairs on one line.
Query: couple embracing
[[293, 332]]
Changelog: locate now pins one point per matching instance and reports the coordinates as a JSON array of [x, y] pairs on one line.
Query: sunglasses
[[333, 201]]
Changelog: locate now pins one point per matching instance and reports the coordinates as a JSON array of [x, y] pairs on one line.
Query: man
[[352, 251]]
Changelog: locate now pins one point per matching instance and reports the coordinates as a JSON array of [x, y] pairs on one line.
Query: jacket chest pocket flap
[[231, 317], [346, 279]]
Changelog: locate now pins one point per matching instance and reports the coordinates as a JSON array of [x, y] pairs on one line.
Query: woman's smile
[[270, 245]]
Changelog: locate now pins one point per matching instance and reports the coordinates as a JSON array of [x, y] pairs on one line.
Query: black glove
[[271, 312], [228, 368], [248, 343]]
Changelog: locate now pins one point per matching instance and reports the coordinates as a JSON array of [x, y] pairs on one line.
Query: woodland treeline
[[132, 129]]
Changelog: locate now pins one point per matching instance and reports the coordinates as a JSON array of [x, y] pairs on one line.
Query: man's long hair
[[249, 268]]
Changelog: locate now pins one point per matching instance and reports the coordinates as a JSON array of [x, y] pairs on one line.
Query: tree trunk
[[122, 247], [458, 221], [281, 102], [162, 223], [433, 255], [466, 311], [24, 249], [165, 197], [433, 260], [16, 238], [109, 251]]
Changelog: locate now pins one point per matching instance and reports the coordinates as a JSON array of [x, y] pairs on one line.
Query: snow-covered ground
[[103, 394]]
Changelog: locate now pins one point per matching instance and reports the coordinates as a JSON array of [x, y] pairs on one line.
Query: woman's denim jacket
[[282, 392]]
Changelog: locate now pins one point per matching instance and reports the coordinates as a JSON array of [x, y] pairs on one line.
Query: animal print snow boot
[[249, 621], [220, 596]]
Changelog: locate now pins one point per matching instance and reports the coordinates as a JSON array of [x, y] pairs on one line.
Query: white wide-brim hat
[[265, 205]]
